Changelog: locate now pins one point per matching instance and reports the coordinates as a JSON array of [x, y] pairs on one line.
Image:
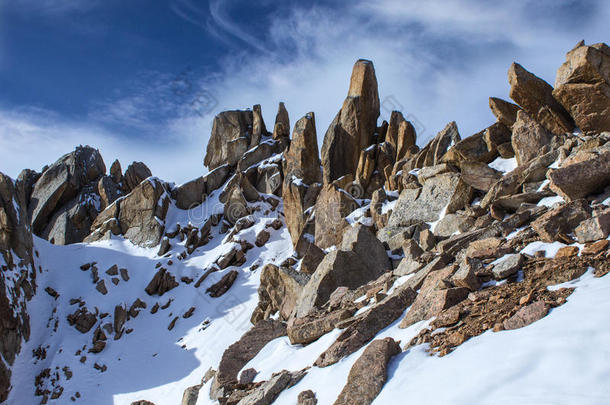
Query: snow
[[551, 201], [504, 165], [549, 249], [561, 359], [152, 362]]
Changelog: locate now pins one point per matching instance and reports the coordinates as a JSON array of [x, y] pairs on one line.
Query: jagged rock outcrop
[[529, 138], [505, 112], [433, 152], [194, 192], [353, 127], [582, 86], [69, 183], [301, 173], [369, 373], [230, 138], [535, 96], [241, 352], [281, 129], [332, 206], [582, 178], [136, 173], [139, 216], [17, 271]]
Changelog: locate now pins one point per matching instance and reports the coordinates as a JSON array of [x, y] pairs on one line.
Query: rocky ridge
[[450, 235]]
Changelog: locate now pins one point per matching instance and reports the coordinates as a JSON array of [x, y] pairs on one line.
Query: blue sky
[[142, 80]]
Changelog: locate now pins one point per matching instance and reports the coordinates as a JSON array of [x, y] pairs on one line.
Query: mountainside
[[366, 270]]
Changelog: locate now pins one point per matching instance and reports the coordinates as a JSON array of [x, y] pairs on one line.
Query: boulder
[[230, 138], [307, 398], [369, 373], [581, 179], [62, 182], [594, 229], [332, 206], [561, 220], [440, 195], [400, 135], [353, 127], [135, 174], [26, 180], [108, 190], [162, 282], [366, 326], [241, 352], [433, 152], [360, 240], [279, 291], [305, 330], [535, 96], [267, 392], [479, 176], [194, 192], [529, 138], [222, 286], [258, 153], [505, 112], [498, 135], [582, 86], [508, 266], [434, 297], [527, 315], [471, 149], [190, 396], [338, 268]]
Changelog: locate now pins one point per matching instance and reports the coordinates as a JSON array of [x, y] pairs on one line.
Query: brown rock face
[[301, 171], [194, 192], [162, 282], [17, 270], [230, 138], [529, 137], [535, 96], [134, 175], [581, 179], [281, 129], [62, 182], [369, 373], [367, 326], [400, 135], [432, 153], [279, 291], [241, 352], [352, 129], [504, 111], [139, 216], [332, 206], [562, 220], [582, 86], [471, 149]]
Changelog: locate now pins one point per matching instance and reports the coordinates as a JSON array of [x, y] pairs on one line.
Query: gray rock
[[527, 315], [510, 265], [443, 194], [190, 395], [360, 240], [593, 229]]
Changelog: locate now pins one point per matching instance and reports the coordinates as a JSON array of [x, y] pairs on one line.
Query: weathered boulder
[[279, 291], [116, 173], [338, 268], [581, 179], [479, 176], [258, 153], [369, 373], [594, 229], [194, 192], [434, 297], [505, 112], [535, 96], [135, 174], [230, 138], [304, 330], [307, 398], [332, 206], [267, 392], [433, 152], [561, 220], [529, 138], [241, 352], [527, 315], [190, 396], [139, 216], [62, 182], [368, 325], [162, 282], [471, 149], [508, 266], [582, 86], [222, 286], [498, 137], [360, 240], [442, 194], [353, 127]]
